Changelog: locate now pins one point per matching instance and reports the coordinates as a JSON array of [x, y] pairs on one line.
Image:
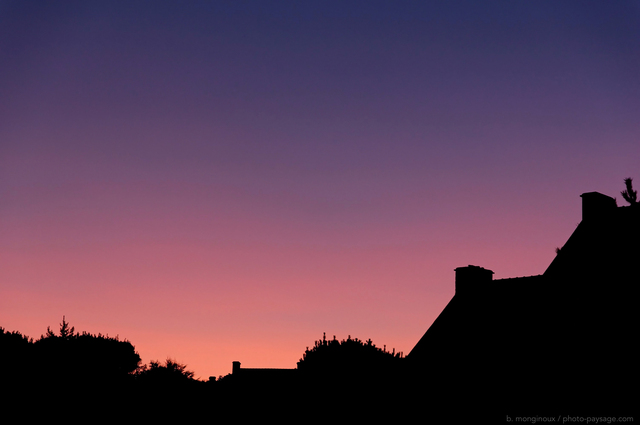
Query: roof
[[569, 326]]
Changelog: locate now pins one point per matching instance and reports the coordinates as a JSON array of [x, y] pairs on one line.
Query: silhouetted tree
[[171, 372], [347, 356], [70, 357], [16, 351], [629, 195], [11, 339], [350, 375]]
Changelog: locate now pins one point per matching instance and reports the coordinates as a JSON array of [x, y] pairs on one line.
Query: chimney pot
[[472, 278], [595, 205]]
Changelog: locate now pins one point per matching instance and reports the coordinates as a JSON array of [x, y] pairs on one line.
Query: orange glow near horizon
[[221, 181]]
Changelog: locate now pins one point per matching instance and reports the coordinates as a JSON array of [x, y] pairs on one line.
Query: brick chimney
[[472, 278]]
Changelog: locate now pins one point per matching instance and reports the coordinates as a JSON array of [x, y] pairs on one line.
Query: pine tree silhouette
[[65, 331], [630, 195]]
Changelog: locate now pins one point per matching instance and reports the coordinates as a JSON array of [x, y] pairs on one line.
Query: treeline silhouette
[[94, 371], [556, 343], [66, 357], [89, 372]]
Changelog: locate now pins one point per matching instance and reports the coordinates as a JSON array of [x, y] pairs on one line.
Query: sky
[[222, 181]]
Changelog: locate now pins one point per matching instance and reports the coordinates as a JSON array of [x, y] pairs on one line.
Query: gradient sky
[[220, 181]]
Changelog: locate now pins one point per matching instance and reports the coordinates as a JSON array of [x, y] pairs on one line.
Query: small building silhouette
[[258, 375]]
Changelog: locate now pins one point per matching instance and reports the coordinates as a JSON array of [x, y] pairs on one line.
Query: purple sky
[[220, 181]]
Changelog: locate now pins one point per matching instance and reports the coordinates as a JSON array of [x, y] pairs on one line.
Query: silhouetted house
[[255, 375], [561, 339], [263, 382], [562, 342]]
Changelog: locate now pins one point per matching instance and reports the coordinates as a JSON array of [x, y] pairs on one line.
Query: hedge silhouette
[[348, 357]]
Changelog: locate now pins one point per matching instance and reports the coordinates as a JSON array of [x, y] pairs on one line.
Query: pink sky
[[219, 183]]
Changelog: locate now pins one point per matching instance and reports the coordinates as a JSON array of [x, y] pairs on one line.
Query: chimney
[[236, 368], [595, 206], [472, 278]]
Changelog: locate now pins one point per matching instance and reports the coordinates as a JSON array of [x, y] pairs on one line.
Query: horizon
[[227, 182]]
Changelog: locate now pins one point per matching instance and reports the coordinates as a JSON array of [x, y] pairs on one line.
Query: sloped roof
[[570, 326]]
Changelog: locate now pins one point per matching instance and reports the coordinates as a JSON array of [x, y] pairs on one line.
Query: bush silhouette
[[171, 373], [70, 356], [347, 357]]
